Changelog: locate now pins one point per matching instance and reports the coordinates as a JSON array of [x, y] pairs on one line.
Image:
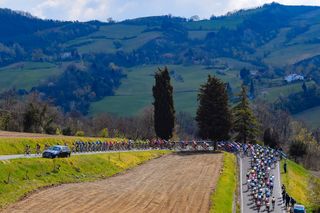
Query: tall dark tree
[[164, 113], [213, 115], [245, 123]]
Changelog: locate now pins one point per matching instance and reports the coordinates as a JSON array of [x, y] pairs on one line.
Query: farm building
[[293, 77]]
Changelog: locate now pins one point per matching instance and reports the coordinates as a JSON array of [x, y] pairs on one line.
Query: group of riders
[[104, 146], [260, 180]]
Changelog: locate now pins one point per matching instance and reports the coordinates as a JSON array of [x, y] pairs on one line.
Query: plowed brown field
[[174, 183]]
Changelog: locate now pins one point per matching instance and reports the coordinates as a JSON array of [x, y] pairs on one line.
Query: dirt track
[[174, 183]]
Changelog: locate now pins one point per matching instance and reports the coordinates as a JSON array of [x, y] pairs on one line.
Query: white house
[[293, 77]]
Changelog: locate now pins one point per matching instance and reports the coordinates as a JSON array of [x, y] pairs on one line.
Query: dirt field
[[5, 134], [174, 183]]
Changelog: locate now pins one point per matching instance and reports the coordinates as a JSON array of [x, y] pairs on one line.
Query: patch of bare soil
[[174, 183], [5, 134]]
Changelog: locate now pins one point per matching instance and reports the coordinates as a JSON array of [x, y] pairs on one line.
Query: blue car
[[57, 151], [299, 209]]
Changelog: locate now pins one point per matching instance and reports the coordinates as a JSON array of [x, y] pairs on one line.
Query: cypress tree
[[213, 115], [164, 113], [245, 123]]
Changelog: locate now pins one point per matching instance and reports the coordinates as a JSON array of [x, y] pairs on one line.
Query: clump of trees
[[271, 138], [78, 86], [300, 101], [282, 131], [30, 114], [297, 149]]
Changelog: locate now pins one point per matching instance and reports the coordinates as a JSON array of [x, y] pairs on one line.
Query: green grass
[[119, 31], [215, 25], [296, 181], [26, 75], [97, 46], [292, 54], [198, 34], [271, 94], [106, 45], [310, 117], [135, 91], [309, 35], [129, 36], [9, 146], [223, 197], [27, 175]]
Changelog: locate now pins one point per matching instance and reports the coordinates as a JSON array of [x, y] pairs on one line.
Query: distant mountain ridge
[[272, 41]]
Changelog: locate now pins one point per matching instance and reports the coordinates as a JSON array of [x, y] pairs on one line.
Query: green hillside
[[26, 75], [310, 117], [135, 92], [271, 41]]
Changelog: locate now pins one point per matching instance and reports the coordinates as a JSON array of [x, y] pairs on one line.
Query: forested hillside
[[98, 67]]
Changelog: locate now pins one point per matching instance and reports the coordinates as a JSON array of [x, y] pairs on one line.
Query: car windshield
[[54, 148]]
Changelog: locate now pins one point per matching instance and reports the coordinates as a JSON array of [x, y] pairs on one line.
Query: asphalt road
[[11, 157], [247, 205]]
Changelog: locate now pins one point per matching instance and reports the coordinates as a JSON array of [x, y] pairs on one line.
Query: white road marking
[[241, 191], [279, 181]]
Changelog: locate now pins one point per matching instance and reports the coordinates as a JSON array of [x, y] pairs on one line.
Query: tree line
[[215, 119]]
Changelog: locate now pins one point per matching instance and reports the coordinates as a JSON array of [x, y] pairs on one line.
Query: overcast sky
[[84, 10]]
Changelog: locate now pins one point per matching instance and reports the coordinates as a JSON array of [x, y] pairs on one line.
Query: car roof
[[298, 207], [60, 146]]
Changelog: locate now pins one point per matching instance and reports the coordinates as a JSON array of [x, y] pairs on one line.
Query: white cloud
[[84, 10]]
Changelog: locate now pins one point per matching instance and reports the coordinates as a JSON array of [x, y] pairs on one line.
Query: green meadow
[[26, 75], [135, 92]]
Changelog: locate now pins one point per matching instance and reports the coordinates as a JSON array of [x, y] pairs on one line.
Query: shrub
[[104, 133], [58, 131], [79, 133], [67, 131]]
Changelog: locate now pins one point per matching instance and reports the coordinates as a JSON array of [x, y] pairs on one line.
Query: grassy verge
[[224, 195], [10, 146], [22, 176], [297, 181]]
